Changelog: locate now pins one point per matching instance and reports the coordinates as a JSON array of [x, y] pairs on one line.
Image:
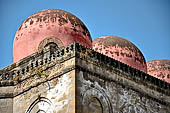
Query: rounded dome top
[[121, 50], [46, 26], [159, 69]]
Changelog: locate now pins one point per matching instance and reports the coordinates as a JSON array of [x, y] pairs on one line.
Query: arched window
[[40, 105], [52, 43]]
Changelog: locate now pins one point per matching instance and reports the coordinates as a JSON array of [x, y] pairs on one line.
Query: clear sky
[[146, 23]]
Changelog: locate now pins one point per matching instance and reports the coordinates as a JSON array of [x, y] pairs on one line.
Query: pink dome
[[50, 25], [121, 50], [159, 69]]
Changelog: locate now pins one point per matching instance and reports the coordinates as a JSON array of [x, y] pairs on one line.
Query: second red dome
[[121, 50]]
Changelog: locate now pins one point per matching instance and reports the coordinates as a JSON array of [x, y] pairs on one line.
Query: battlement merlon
[[93, 62]]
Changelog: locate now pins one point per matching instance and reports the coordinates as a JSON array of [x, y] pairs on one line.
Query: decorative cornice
[[128, 71]]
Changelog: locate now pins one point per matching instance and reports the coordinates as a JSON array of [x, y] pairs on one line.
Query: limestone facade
[[76, 79]]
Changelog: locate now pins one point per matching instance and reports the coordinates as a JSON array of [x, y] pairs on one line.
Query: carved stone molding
[[40, 105], [96, 101]]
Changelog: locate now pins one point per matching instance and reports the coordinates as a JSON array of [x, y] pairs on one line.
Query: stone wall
[[97, 95], [40, 82], [6, 105], [105, 85], [78, 79], [48, 88], [6, 99], [54, 96]]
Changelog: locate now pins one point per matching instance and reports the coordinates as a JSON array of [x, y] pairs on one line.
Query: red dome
[[159, 69], [50, 25], [121, 50]]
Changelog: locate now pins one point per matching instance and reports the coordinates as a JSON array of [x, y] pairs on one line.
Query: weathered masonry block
[[76, 79]]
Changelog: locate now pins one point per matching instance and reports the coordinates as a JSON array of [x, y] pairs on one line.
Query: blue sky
[[146, 23]]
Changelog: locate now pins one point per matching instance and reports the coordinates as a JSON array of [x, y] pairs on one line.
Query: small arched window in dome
[[52, 46], [50, 43]]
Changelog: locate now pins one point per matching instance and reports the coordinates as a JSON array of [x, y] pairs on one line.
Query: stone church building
[[57, 68]]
